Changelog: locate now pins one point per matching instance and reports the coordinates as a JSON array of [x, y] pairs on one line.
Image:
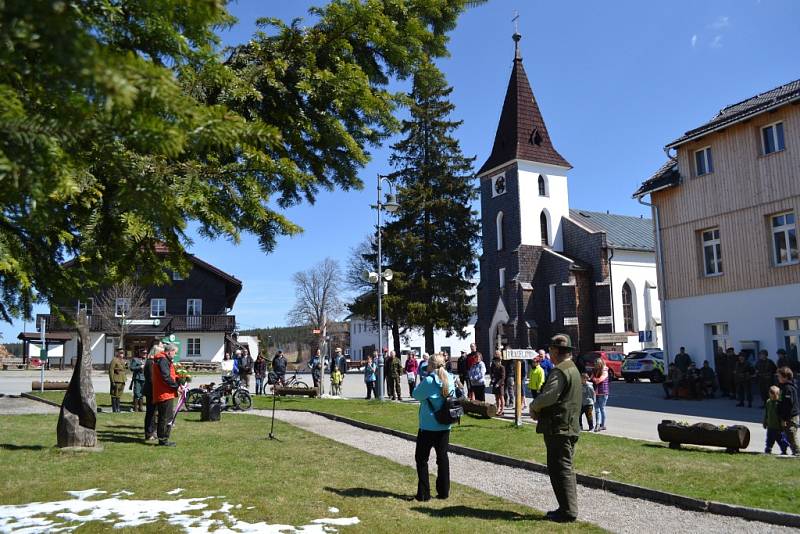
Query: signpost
[[518, 355], [42, 358], [141, 322]]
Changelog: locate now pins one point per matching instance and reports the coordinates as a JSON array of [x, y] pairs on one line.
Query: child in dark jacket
[[773, 423], [789, 408]]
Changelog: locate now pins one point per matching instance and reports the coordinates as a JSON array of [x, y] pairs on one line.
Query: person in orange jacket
[[165, 391]]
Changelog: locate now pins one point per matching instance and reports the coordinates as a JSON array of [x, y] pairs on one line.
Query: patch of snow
[[333, 510], [175, 491], [70, 514], [122, 493], [85, 494]]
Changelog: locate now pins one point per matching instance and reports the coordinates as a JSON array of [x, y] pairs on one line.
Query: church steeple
[[521, 132]]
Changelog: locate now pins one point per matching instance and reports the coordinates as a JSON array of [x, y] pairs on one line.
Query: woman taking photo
[[601, 383], [430, 393]]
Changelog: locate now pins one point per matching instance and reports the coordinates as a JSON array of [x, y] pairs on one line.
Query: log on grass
[[77, 422], [302, 392], [484, 409], [49, 385], [732, 438]]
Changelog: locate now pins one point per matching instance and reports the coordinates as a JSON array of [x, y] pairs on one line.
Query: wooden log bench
[[483, 409], [731, 438], [13, 363], [49, 385], [356, 364], [300, 392]]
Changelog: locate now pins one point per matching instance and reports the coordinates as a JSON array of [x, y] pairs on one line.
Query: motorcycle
[[229, 394]]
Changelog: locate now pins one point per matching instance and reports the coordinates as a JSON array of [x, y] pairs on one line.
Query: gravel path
[[607, 510], [21, 406]]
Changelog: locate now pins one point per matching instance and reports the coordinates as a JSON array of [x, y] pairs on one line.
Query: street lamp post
[[379, 276]]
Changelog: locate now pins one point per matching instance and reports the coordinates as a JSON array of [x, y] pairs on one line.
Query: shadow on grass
[[367, 492], [699, 448], [477, 513], [13, 447], [120, 437]]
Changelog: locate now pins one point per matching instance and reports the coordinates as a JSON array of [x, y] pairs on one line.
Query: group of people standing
[[414, 371], [155, 388]]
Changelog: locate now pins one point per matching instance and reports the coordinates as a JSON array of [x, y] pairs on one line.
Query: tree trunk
[[77, 421], [429, 345]]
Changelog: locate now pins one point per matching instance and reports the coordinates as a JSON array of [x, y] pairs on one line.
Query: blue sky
[[615, 82]]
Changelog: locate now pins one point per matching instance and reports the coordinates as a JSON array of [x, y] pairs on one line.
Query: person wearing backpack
[[477, 381], [431, 394]]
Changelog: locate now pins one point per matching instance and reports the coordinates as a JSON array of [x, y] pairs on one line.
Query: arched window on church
[[544, 229], [627, 307], [500, 232], [542, 188]]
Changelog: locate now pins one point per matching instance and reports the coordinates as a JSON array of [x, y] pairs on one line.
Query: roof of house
[[622, 231], [49, 336], [746, 108], [666, 176], [521, 132]]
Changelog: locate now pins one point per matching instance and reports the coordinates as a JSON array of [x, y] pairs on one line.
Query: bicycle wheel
[[300, 384], [242, 400], [194, 400]]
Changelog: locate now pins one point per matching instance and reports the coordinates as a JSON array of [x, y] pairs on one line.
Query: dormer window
[[536, 137], [704, 164]]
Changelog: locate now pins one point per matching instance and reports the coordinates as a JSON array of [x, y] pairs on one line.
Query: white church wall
[[531, 204], [639, 270]]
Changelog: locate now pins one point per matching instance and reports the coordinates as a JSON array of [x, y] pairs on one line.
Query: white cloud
[[720, 23], [694, 40], [717, 42]]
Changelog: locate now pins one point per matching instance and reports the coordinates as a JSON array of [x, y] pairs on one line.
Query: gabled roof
[[666, 176], [622, 231], [746, 108], [521, 132]]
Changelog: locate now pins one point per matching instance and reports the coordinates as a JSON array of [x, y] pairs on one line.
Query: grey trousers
[[560, 450], [165, 411]]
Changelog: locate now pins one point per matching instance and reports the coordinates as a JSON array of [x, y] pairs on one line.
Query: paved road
[[634, 410]]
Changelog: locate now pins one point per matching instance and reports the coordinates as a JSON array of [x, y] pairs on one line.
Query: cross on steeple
[[516, 36]]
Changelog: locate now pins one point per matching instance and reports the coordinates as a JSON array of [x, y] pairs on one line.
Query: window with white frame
[[790, 333], [193, 347], [158, 307], [772, 138], [720, 341], [704, 164], [501, 274], [176, 275], [122, 306], [712, 252], [784, 238], [500, 231], [87, 305], [194, 307]]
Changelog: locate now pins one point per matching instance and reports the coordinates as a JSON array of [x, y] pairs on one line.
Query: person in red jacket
[[165, 391]]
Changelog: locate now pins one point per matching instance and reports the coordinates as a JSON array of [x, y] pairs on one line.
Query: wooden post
[[518, 397]]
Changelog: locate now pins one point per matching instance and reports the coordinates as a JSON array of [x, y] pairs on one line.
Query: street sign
[[42, 354], [316, 331], [519, 354], [645, 336], [613, 337], [142, 322]]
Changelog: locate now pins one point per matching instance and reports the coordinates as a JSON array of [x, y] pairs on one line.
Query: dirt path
[[21, 406]]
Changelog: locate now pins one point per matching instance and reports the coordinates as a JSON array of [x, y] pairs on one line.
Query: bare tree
[[318, 295], [362, 258], [122, 302]]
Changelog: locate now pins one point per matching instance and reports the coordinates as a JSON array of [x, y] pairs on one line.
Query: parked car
[[613, 361], [648, 363]]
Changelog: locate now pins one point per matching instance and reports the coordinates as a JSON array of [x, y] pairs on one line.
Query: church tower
[[524, 199]]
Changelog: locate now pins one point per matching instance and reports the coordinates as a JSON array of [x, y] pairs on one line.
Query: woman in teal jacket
[[369, 377], [431, 393]]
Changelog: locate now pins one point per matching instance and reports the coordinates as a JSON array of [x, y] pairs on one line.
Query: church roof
[[622, 231], [521, 132]]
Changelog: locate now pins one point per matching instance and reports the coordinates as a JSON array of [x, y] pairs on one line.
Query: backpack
[[475, 375], [450, 412]]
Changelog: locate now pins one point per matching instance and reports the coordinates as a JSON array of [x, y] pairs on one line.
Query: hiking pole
[[272, 425]]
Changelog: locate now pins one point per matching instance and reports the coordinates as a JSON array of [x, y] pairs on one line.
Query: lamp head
[[388, 274], [373, 278], [391, 204]]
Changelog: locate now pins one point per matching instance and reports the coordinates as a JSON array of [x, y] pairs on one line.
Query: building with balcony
[[195, 308], [725, 209]]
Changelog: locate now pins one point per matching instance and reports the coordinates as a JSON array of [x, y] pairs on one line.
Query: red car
[[613, 361]]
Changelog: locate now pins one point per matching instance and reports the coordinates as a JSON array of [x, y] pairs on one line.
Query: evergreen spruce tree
[[432, 240]]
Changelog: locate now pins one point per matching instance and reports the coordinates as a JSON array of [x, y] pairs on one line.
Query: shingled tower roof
[[521, 132]]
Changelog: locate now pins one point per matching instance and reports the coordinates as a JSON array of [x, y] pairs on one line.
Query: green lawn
[[289, 482], [746, 479]]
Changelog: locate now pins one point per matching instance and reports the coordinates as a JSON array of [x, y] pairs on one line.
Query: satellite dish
[[373, 278], [388, 274], [365, 275]]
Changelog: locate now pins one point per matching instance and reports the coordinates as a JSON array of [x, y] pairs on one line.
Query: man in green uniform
[[137, 380], [393, 372], [557, 409], [116, 372]]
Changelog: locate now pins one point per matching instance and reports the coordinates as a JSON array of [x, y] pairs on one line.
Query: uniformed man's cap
[[561, 341]]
